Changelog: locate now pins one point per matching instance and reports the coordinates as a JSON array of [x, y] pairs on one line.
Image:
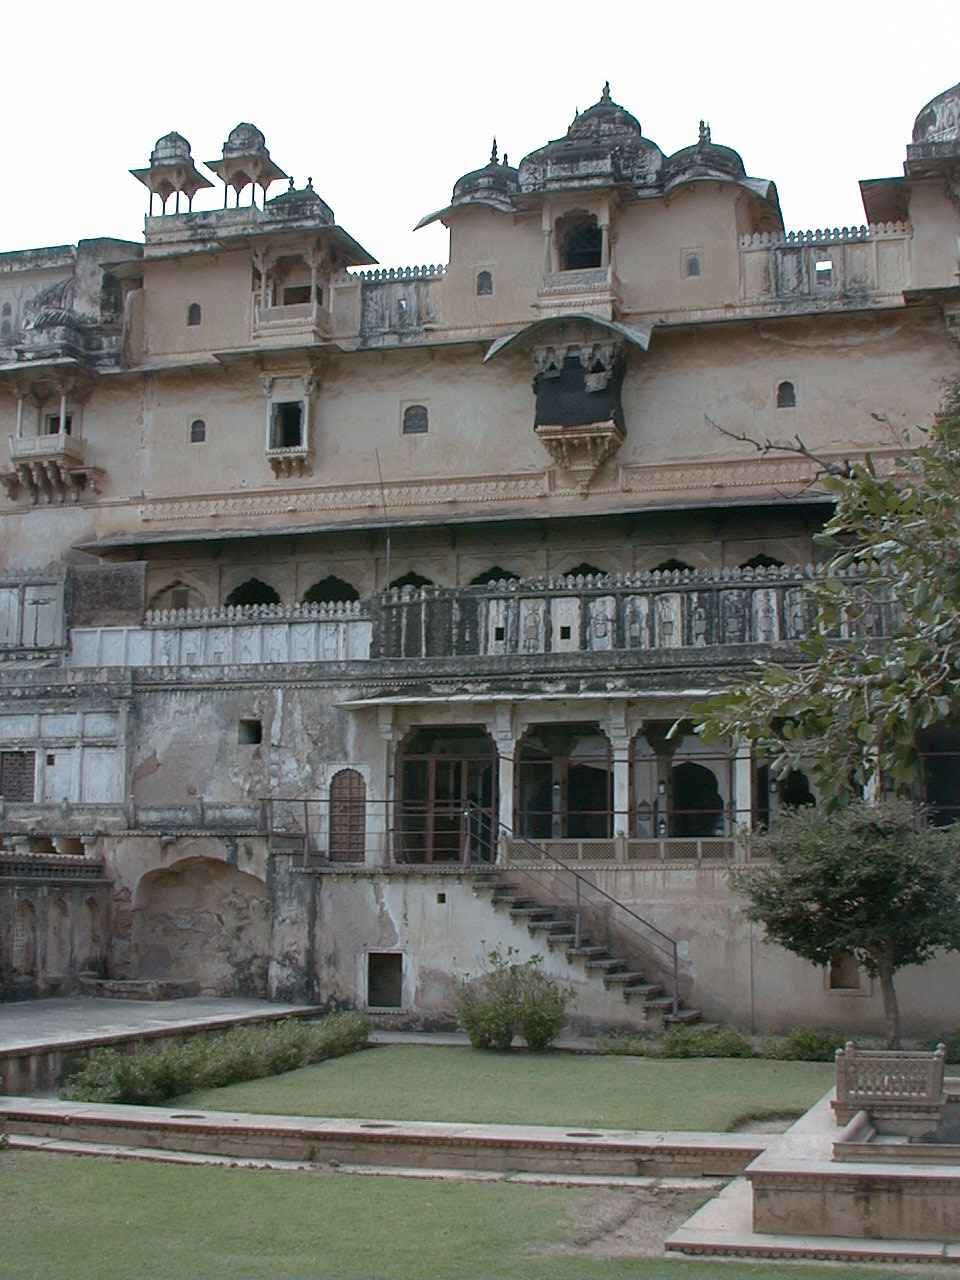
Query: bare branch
[[795, 446]]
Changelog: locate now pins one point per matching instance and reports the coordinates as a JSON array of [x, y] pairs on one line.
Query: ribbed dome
[[939, 121], [705, 160], [494, 180], [603, 143]]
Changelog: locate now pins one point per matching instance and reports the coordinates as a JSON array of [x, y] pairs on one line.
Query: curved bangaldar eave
[[637, 335]]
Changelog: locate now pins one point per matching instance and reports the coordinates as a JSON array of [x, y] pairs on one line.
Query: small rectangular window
[[180, 598], [384, 980], [294, 295], [564, 633], [17, 771], [53, 424], [824, 272], [250, 732], [415, 420], [499, 633]]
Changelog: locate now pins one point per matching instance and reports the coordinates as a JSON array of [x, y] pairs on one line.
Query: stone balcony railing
[[50, 468], [667, 611], [827, 266], [594, 290], [242, 636], [301, 321], [670, 613]]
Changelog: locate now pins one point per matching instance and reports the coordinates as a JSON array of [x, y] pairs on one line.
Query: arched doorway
[[564, 783], [447, 795], [348, 816], [697, 807]]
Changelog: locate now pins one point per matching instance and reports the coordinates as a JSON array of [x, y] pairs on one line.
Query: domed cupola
[[171, 171], [703, 161], [495, 184], [936, 134], [604, 145]]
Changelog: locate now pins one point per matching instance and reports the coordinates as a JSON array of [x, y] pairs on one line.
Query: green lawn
[[423, 1082], [94, 1219]]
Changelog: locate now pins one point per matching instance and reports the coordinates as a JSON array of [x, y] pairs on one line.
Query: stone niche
[[579, 413]]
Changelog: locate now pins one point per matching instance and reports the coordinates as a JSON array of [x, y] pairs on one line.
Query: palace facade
[[345, 612]]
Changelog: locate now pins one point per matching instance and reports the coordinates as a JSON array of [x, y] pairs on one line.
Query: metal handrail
[[668, 946]]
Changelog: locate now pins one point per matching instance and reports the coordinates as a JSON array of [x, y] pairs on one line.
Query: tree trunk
[[891, 1010]]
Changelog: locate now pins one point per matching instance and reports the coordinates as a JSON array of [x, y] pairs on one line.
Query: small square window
[[441, 898], [250, 732], [844, 973], [53, 424], [564, 633]]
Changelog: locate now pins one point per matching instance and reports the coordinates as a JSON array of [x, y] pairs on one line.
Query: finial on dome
[[704, 134], [605, 96], [493, 153], [290, 184], [506, 162], [309, 184]]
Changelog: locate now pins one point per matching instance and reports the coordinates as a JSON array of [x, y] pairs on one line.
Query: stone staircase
[[551, 925]]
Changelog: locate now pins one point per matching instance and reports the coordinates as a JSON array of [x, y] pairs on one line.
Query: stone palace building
[[345, 611]]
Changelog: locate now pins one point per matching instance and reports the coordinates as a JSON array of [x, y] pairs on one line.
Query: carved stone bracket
[[50, 481], [581, 451], [290, 462]]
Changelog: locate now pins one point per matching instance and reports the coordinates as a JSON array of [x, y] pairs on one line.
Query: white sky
[[385, 105]]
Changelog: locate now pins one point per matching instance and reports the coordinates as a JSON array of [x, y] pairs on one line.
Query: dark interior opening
[[385, 980], [286, 425]]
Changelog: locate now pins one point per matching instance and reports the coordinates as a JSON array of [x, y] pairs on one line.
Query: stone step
[[546, 925], [645, 991], [560, 939], [624, 977], [683, 1017], [588, 952], [606, 964], [531, 913]]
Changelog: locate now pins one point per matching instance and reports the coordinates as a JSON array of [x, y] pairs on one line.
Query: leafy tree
[[882, 663], [868, 880]]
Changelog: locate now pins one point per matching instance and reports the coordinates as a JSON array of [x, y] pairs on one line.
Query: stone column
[[742, 817], [503, 733]]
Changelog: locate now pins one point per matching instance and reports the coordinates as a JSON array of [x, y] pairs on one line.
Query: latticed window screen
[[348, 813], [16, 775]]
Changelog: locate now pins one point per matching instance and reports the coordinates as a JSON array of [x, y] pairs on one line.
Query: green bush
[[512, 998], [704, 1042], [805, 1044], [149, 1076]]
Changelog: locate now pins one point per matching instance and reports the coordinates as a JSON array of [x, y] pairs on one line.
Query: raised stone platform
[[43, 1041], [796, 1201]]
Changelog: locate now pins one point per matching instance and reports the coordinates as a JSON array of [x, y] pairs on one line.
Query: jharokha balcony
[[50, 468]]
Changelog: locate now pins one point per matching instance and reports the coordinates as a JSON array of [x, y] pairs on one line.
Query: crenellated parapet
[[838, 265]]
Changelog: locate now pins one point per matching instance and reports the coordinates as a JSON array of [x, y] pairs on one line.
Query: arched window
[[697, 809], [691, 266], [198, 431], [580, 241], [484, 284], [415, 420], [58, 939], [193, 314], [584, 569], [176, 595], [494, 574], [253, 591], [564, 787], [348, 816], [7, 309], [786, 396], [762, 561], [672, 566], [411, 579], [331, 590]]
